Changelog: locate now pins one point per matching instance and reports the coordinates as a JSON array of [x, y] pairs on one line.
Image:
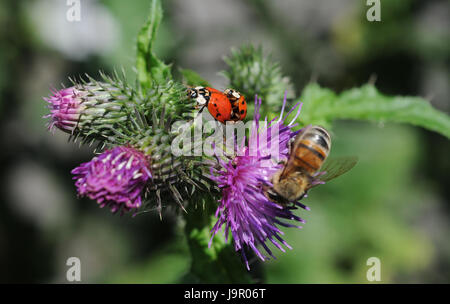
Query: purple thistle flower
[[117, 178], [65, 109], [244, 208]]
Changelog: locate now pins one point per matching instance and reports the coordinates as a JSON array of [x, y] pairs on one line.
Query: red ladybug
[[223, 106], [238, 104]]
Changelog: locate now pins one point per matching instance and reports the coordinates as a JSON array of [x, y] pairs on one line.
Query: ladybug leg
[[201, 109], [205, 104], [235, 110], [234, 116]]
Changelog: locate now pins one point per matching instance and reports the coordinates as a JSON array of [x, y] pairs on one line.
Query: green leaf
[[322, 106], [149, 67], [192, 78]]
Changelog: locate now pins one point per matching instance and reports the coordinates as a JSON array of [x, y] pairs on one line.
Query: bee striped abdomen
[[309, 157], [311, 149]]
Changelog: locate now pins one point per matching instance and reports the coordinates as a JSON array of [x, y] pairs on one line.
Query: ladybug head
[[232, 94], [200, 94], [192, 93]]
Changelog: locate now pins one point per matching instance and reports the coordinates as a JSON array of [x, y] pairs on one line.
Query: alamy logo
[[374, 272], [73, 274], [374, 11], [225, 139], [74, 12]]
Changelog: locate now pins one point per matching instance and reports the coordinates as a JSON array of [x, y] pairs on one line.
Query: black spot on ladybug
[[242, 111], [217, 115], [215, 104], [242, 102]]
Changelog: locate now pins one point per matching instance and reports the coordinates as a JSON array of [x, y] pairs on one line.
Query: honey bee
[[308, 153]]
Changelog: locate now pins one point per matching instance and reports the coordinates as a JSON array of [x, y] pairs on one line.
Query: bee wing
[[337, 166]]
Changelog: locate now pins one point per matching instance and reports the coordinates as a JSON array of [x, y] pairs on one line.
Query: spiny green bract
[[113, 112], [252, 73]]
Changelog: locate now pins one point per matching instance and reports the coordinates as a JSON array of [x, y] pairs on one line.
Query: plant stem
[[218, 264]]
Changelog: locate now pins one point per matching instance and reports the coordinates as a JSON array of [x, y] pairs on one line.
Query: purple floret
[[116, 178], [65, 108]]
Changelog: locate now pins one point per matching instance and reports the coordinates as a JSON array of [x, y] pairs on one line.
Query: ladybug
[[219, 106], [225, 106], [238, 104]]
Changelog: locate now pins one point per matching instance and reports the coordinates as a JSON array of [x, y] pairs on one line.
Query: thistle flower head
[[244, 208], [116, 178]]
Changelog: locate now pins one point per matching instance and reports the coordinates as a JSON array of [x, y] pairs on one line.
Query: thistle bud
[[88, 110], [251, 73]]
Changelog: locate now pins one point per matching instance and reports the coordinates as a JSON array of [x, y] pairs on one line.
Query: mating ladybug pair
[[228, 105]]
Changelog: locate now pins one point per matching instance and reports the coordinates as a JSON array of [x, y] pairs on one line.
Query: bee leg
[[282, 162], [291, 145]]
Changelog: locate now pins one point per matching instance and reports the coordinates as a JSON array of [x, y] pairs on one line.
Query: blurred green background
[[394, 205]]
